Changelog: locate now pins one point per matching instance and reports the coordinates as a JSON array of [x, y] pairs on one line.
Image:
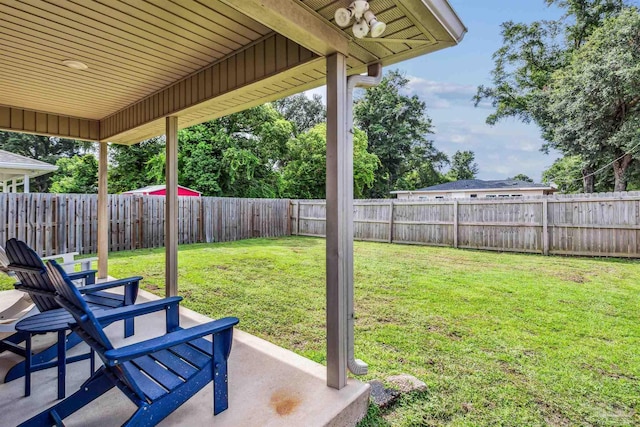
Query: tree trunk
[[620, 167], [588, 179]]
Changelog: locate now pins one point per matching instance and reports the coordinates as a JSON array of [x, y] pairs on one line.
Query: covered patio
[[123, 71]]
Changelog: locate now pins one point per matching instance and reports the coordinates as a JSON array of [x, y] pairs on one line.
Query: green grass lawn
[[500, 339]]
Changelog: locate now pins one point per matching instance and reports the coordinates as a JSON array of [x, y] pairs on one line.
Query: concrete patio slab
[[268, 386]]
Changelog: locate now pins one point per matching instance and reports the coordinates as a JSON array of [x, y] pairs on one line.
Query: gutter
[[356, 366], [448, 18]]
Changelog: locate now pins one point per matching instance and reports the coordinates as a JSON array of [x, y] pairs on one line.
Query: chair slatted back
[[87, 326], [31, 272], [4, 261]]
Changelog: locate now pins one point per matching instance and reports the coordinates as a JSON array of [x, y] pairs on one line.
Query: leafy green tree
[[521, 177], [304, 176], [423, 168], [303, 112], [529, 56], [397, 127], [78, 174], [463, 166], [566, 174], [131, 165], [530, 53], [43, 148], [235, 156], [592, 106]]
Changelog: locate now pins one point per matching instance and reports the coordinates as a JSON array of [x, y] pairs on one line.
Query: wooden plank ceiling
[[193, 58]]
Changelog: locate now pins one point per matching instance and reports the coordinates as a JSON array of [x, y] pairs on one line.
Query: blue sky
[[446, 81]]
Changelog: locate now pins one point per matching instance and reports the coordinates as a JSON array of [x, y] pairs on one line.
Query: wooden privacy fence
[[606, 224], [59, 223], [590, 225]]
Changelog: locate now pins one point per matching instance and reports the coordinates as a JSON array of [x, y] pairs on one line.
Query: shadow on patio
[[268, 386]]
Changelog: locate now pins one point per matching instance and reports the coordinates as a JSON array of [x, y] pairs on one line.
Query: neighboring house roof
[[478, 184], [156, 188], [14, 165]]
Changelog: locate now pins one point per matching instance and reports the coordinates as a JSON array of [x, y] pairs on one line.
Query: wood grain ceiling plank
[[206, 27], [156, 21], [70, 37], [38, 85], [54, 38], [105, 32], [228, 14], [48, 62], [14, 93], [49, 50], [59, 75]]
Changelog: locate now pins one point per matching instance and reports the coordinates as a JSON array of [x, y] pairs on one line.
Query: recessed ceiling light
[[76, 65]]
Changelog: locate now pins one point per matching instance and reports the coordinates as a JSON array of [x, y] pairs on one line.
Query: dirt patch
[[151, 287], [552, 416], [284, 402]]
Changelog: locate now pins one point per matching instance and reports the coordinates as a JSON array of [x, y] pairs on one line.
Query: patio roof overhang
[[158, 65], [190, 59]]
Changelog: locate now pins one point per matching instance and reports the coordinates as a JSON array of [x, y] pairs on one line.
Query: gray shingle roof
[[26, 162], [478, 184]]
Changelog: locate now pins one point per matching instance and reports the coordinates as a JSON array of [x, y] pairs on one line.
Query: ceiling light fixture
[[363, 17], [76, 65]]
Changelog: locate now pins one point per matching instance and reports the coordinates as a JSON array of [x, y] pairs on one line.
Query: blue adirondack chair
[[157, 375], [31, 272]]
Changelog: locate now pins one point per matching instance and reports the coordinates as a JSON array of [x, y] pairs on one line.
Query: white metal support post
[[103, 214], [339, 220], [25, 184], [171, 208]]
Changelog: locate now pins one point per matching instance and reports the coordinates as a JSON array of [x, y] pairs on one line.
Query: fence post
[[545, 227], [391, 221], [297, 217], [455, 224]]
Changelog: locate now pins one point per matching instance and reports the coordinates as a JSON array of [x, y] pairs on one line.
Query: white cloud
[[440, 95], [501, 151]]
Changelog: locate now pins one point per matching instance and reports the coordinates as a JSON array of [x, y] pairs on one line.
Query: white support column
[[5, 186], [103, 214], [25, 184], [171, 209], [339, 222], [14, 185]]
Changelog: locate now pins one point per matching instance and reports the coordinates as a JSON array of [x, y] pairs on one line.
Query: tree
[[396, 126], [303, 177], [235, 156], [593, 104], [531, 53], [521, 177], [78, 174], [463, 166], [566, 174], [43, 148], [132, 165], [303, 112]]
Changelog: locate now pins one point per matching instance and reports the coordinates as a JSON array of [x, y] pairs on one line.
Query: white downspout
[[356, 366]]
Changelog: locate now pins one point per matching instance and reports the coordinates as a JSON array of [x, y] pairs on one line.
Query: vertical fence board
[[599, 225]]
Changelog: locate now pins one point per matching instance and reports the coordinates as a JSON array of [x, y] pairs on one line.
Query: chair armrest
[[171, 339], [108, 285], [129, 311], [79, 261], [89, 276]]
